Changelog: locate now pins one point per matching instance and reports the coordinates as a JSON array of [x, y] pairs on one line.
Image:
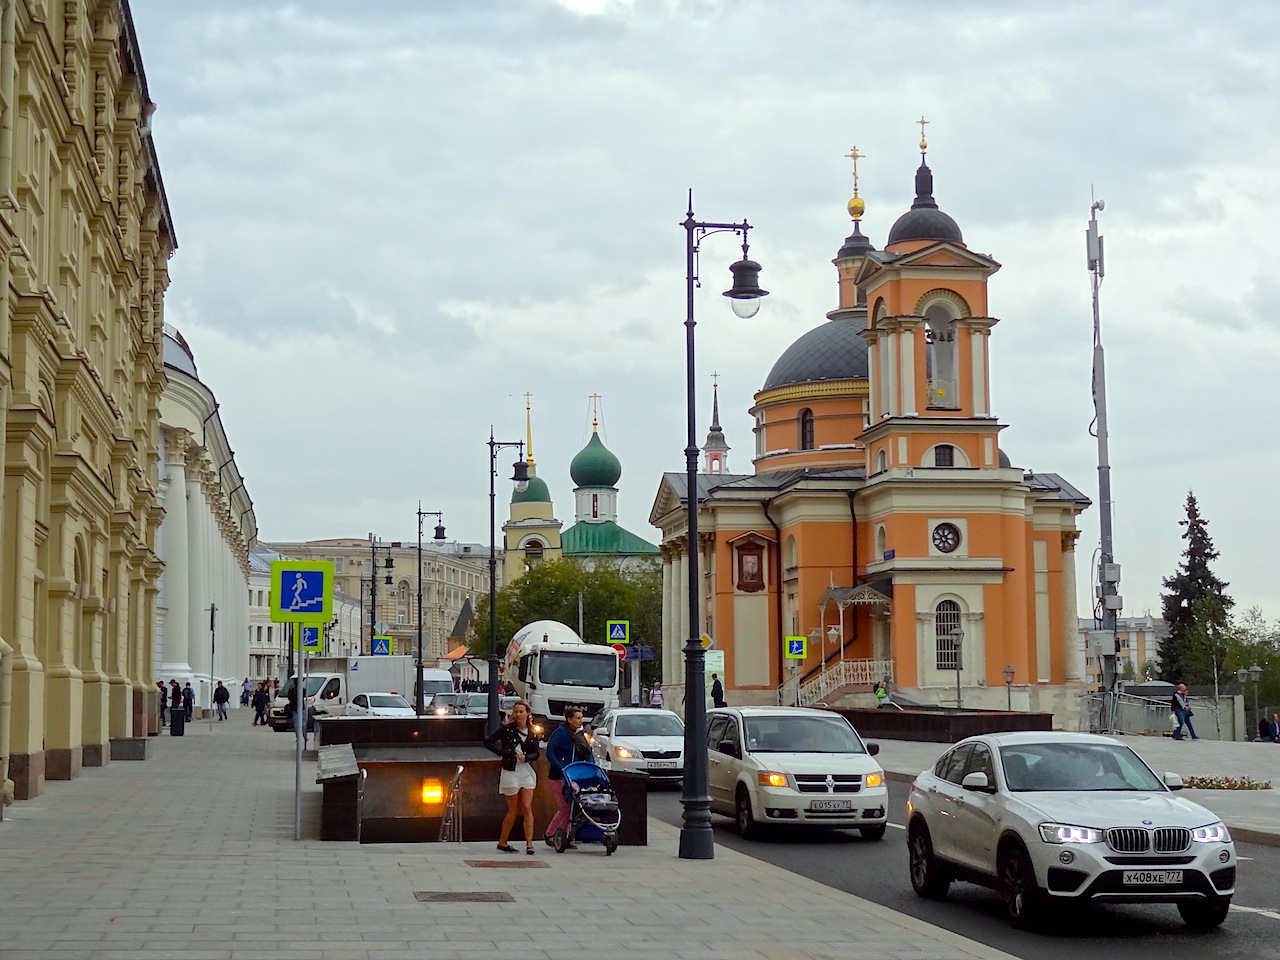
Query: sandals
[[529, 849], [506, 848]]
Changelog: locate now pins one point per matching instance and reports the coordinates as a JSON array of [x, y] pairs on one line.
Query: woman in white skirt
[[517, 744]]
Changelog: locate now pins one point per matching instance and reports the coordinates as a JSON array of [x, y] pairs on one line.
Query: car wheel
[[1023, 901], [928, 878], [1205, 914], [873, 833], [748, 829]]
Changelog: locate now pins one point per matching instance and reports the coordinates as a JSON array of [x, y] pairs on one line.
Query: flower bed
[[1225, 783]]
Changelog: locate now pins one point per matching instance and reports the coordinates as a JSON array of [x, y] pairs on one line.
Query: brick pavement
[[191, 855]]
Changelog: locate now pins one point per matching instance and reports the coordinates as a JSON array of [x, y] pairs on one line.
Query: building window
[[946, 618], [944, 455], [880, 542], [806, 429], [533, 553], [882, 462]]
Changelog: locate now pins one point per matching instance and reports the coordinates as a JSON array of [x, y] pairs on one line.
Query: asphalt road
[[877, 871]]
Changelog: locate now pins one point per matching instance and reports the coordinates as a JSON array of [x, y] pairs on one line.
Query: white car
[[793, 766], [638, 740], [379, 705], [1062, 818]]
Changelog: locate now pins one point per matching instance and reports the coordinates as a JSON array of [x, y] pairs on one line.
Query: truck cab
[[551, 667]]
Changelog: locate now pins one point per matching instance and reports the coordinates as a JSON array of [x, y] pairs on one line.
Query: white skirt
[[521, 778]]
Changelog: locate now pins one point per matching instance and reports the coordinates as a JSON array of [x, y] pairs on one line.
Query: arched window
[[882, 462], [940, 317], [946, 620], [944, 455], [806, 429], [881, 542], [533, 553]]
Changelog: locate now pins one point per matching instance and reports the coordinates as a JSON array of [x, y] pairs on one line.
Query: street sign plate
[[382, 627], [620, 650], [383, 646], [797, 648], [708, 641], [301, 591], [619, 631], [310, 639], [637, 652]]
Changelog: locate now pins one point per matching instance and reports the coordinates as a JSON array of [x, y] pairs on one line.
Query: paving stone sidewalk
[[191, 855]]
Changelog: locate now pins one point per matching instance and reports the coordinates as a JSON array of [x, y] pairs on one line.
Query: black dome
[[832, 351], [924, 221]]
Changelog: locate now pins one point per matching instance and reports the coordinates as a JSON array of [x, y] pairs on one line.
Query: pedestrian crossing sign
[[310, 639], [302, 591], [797, 648], [383, 646], [619, 631]]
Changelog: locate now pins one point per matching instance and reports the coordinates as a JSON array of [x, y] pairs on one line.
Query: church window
[[882, 461], [806, 429], [595, 506], [946, 620], [940, 335], [944, 455], [533, 553], [881, 542]]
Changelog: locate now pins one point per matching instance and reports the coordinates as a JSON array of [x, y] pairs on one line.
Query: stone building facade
[[85, 238]]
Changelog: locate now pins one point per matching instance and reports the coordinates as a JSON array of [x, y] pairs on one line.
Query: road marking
[[1272, 914], [899, 826], [1243, 859]]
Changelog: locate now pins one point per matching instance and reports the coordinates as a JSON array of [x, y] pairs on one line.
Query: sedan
[[379, 705], [637, 740], [1054, 819]]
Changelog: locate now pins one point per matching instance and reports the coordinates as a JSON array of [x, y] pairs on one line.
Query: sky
[[397, 218]]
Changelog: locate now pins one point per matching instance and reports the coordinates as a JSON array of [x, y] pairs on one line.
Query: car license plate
[[827, 806], [662, 764], [1146, 878]]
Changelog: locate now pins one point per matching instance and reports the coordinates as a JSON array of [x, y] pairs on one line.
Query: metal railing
[[451, 822], [842, 673], [1145, 716]]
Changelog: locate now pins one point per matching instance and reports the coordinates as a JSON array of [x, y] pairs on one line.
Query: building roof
[[535, 492], [595, 466], [465, 616], [924, 221], [607, 538], [831, 351]]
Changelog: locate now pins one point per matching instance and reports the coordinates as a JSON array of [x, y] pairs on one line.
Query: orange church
[[882, 522]]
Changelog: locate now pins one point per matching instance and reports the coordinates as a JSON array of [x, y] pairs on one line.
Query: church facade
[[882, 523]]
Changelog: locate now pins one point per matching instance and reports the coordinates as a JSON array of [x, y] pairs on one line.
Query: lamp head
[[746, 292], [388, 581], [1255, 673], [520, 474], [439, 531], [832, 634], [1242, 674], [1008, 675]]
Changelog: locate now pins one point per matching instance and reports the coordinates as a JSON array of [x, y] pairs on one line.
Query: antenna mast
[[1108, 600]]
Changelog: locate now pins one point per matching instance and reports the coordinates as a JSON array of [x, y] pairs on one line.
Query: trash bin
[[177, 722]]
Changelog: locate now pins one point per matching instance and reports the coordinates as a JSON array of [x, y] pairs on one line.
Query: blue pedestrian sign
[[310, 639], [797, 648], [302, 591], [619, 631], [382, 646]]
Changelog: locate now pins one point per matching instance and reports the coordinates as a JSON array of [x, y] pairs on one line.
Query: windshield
[[477, 701], [792, 734], [436, 686], [648, 725], [313, 687], [1075, 766], [444, 699], [579, 669], [388, 700]]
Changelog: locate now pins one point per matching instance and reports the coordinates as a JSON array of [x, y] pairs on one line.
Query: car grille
[[1142, 840], [828, 782], [660, 754], [557, 708]]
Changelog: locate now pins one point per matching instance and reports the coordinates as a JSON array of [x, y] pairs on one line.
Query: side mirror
[[1172, 781], [978, 783], [730, 748], [872, 748]]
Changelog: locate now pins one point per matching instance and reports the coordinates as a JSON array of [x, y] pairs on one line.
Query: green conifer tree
[[1195, 605]]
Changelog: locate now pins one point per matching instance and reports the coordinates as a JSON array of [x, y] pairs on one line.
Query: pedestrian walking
[[260, 701], [565, 746], [655, 695], [246, 692], [164, 699], [1180, 704], [188, 700], [717, 691], [221, 696], [517, 744]]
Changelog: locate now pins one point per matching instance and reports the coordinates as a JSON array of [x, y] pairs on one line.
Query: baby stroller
[[593, 808]]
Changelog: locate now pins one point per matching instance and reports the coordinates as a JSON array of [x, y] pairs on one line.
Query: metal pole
[[213, 613], [299, 688], [417, 697], [491, 724], [373, 589]]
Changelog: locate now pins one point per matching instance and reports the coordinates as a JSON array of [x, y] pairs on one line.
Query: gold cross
[[924, 144], [715, 377], [527, 398], [855, 156], [595, 409]]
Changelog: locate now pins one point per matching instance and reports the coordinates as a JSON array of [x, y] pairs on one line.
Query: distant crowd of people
[[1269, 730]]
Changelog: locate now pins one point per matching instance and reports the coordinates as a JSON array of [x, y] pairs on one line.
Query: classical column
[[1072, 656], [176, 661], [197, 578]]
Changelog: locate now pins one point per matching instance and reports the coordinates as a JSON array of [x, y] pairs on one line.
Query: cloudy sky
[[397, 217]]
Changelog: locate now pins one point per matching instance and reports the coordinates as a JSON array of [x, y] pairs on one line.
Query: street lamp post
[[696, 839], [375, 544], [520, 474], [439, 536], [1008, 687], [1253, 673], [957, 638]]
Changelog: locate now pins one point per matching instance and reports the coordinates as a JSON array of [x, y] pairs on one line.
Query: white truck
[[552, 667], [333, 681]]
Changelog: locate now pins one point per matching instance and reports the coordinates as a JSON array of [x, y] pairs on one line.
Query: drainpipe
[[777, 591], [8, 67], [853, 581]]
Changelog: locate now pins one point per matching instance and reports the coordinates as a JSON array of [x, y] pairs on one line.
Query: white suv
[[793, 766], [1062, 818]]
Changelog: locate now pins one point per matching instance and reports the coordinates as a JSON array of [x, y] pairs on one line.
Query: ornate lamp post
[[439, 536], [696, 840], [1008, 687], [957, 639], [1253, 673], [520, 474], [375, 544]]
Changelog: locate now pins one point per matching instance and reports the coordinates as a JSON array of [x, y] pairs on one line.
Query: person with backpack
[[261, 700], [221, 697], [188, 700]]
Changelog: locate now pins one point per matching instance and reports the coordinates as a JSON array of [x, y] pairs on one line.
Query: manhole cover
[[508, 864], [463, 896]]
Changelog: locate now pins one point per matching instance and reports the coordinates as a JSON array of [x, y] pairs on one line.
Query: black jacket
[[507, 739], [221, 695]]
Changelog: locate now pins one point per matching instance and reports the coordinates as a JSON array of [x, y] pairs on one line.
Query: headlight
[[1213, 833], [1067, 833], [622, 753], [873, 780], [442, 711], [768, 778]]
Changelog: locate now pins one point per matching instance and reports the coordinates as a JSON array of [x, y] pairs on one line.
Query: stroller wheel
[[610, 845], [560, 840]]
